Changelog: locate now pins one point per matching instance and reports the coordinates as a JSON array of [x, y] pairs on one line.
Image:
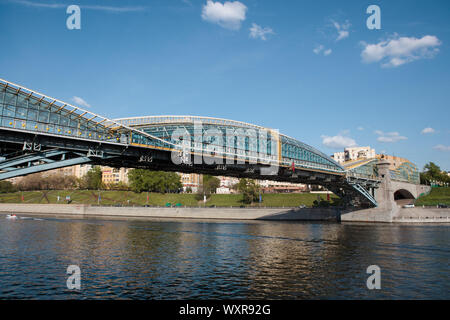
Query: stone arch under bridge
[[392, 192], [405, 190], [403, 194]]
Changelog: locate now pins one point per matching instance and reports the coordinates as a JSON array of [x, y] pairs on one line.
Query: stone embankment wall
[[396, 214], [306, 214]]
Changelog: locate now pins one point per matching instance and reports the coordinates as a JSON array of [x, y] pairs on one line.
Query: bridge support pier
[[384, 194], [387, 209]]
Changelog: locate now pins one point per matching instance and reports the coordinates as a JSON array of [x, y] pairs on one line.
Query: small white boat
[[11, 216]]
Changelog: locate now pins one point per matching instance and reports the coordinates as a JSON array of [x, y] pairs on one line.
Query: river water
[[185, 259]]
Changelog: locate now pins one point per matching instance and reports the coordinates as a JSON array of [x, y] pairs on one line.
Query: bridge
[[40, 133]]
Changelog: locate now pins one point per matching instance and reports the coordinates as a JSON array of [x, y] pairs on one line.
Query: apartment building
[[355, 153], [114, 175]]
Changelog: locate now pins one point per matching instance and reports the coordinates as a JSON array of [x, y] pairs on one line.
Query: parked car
[[408, 205], [441, 205]]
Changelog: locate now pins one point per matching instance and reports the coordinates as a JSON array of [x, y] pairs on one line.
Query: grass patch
[[128, 198], [437, 196]]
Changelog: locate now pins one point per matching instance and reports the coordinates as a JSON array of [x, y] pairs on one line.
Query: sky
[[312, 69]]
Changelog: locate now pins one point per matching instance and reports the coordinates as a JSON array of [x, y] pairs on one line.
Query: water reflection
[[149, 259]]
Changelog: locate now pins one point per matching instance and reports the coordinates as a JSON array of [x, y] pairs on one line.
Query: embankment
[[398, 214], [280, 214]]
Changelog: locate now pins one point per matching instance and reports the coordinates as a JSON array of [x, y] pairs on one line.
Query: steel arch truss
[[41, 161]]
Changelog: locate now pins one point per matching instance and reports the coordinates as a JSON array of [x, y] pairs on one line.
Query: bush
[[7, 187], [154, 181], [92, 180], [40, 181], [249, 189], [119, 186]]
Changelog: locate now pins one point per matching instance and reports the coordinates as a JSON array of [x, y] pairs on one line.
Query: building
[[114, 175], [78, 170], [226, 185], [190, 180], [269, 186], [355, 153], [339, 157]]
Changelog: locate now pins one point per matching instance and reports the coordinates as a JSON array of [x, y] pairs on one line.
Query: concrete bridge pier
[[388, 195], [384, 195]]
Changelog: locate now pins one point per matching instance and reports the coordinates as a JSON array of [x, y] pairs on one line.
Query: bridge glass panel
[[302, 155], [407, 172], [240, 146], [22, 110], [366, 171]]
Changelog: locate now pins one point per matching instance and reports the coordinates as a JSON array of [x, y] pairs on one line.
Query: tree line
[[141, 180], [432, 174]]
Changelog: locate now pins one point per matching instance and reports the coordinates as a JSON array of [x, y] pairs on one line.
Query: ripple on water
[[214, 260]]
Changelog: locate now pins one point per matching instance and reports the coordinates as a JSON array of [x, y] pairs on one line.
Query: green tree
[[154, 181], [432, 170], [250, 190], [210, 184], [7, 187], [432, 173], [92, 180]]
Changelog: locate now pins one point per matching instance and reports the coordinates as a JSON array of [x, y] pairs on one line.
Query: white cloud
[[41, 5], [259, 32], [89, 7], [228, 15], [428, 130], [80, 102], [338, 142], [389, 137], [113, 9], [318, 49], [360, 128], [400, 50], [441, 147], [342, 30]]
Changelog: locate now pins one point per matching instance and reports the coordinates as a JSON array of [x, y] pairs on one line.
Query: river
[[191, 259]]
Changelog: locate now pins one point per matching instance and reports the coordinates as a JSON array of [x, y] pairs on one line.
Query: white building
[[226, 185], [270, 186], [355, 153], [339, 157]]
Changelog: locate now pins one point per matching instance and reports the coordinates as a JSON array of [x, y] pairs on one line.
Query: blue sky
[[311, 69]]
